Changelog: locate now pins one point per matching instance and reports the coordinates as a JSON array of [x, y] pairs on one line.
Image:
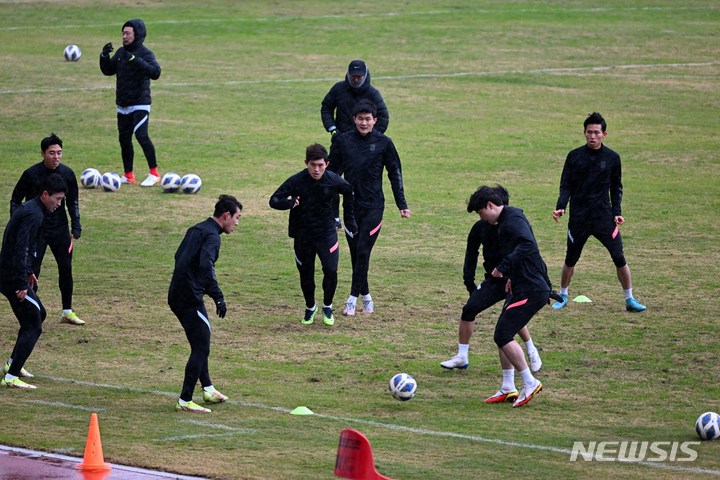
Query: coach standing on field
[[135, 65]]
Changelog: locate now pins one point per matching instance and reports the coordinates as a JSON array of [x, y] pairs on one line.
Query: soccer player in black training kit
[[134, 66], [193, 278], [18, 282], [361, 156], [336, 110], [57, 235], [528, 290], [590, 172], [490, 291], [309, 195]]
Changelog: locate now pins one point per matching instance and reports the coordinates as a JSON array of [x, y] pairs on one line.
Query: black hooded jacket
[[338, 104], [133, 76]]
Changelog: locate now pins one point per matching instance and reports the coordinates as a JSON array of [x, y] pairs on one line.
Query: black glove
[[107, 49], [129, 56], [352, 228], [76, 234], [471, 287], [221, 309], [334, 136], [555, 296]]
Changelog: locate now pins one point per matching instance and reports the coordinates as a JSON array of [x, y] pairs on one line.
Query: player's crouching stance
[[528, 290], [194, 277]]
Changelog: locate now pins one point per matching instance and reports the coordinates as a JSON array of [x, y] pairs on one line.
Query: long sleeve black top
[[18, 245], [314, 216], [28, 187], [361, 160], [485, 235], [587, 177]]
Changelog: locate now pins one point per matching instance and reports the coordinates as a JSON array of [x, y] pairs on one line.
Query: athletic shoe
[[191, 407], [150, 181], [349, 309], [535, 362], [368, 306], [128, 178], [213, 396], [527, 394], [455, 362], [23, 373], [500, 397], [632, 305], [558, 305], [71, 318], [328, 317], [309, 317], [17, 383]]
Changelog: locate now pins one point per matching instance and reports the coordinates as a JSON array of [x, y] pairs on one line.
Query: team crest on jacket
[[372, 147]]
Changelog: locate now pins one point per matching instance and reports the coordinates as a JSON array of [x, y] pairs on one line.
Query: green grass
[[478, 92]]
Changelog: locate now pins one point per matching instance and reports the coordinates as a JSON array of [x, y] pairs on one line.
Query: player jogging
[[309, 195], [193, 278], [361, 156], [490, 291]]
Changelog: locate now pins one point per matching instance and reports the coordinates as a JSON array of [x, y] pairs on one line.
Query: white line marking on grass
[[391, 426], [65, 405], [577, 71], [205, 435]]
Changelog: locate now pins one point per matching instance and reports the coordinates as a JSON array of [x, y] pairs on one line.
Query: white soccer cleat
[[349, 310], [213, 396], [150, 181], [457, 361], [368, 306], [535, 361], [527, 394]]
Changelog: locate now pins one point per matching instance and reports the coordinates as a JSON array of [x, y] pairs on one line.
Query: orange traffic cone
[[94, 460], [355, 458]]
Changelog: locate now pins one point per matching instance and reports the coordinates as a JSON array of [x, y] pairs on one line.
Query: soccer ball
[[90, 178], [190, 183], [403, 387], [170, 182], [72, 53], [110, 182], [707, 426]]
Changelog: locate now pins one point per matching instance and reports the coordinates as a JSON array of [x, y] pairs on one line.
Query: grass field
[[478, 92]]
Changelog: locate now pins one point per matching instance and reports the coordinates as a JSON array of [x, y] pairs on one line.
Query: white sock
[[628, 293], [564, 291], [463, 350], [327, 306], [367, 298], [529, 346], [10, 377], [209, 388], [352, 299], [311, 309], [182, 402], [527, 378], [508, 383], [67, 310]]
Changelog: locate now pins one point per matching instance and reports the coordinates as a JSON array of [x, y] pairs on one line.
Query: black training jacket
[[361, 160], [314, 216], [337, 106], [28, 187], [485, 235], [18, 245], [194, 274], [133, 77], [592, 181], [521, 258]]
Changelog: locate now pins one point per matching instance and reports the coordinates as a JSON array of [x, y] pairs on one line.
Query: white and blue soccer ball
[[90, 178], [403, 387], [190, 183], [707, 426], [72, 53], [110, 182], [170, 182]]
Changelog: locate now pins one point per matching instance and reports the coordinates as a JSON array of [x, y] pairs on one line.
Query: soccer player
[[361, 156], [18, 281], [336, 110], [193, 278], [134, 66], [489, 292], [56, 233], [590, 172], [308, 195], [528, 290]]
